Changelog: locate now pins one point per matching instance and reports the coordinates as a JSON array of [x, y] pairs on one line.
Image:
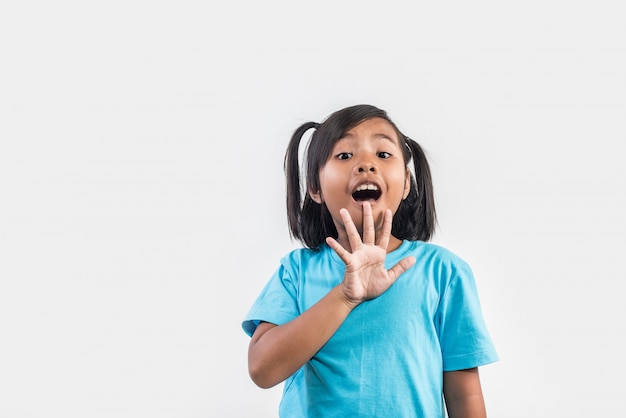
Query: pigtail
[[416, 218], [426, 215], [292, 174]]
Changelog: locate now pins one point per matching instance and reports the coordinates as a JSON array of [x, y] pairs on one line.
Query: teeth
[[366, 187]]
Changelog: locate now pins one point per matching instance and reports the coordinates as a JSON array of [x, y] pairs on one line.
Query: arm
[[276, 352], [463, 394]]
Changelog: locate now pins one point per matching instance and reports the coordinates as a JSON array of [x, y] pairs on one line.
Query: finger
[[353, 234], [402, 266], [385, 233], [341, 252], [369, 233]]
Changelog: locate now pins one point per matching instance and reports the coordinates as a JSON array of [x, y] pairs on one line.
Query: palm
[[366, 276]]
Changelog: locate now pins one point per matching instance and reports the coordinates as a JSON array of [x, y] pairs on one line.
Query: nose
[[365, 166]]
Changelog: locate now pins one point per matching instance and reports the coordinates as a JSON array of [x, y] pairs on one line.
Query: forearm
[[279, 351], [471, 406], [463, 394]]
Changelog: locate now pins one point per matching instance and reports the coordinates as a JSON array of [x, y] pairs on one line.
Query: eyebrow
[[376, 136]]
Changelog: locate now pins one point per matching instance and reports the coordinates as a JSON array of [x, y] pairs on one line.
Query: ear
[[316, 196], [407, 184]]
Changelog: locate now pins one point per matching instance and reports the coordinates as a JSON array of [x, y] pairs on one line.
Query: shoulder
[[299, 255], [305, 258], [436, 262]]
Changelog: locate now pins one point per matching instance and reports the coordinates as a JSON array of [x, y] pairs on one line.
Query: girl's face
[[366, 164]]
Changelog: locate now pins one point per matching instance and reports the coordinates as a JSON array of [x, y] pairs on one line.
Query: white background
[[142, 192]]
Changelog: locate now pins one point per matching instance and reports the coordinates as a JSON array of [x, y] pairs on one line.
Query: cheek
[[327, 173], [401, 181], [329, 180]]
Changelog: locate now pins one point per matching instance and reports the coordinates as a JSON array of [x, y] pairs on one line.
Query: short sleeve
[[277, 302], [465, 341]]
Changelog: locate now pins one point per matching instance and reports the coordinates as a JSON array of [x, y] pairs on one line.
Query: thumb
[[402, 266]]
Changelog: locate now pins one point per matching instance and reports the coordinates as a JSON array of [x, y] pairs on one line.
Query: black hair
[[311, 222]]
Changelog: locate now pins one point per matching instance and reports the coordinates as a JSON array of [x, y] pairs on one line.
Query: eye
[[383, 154], [344, 155]]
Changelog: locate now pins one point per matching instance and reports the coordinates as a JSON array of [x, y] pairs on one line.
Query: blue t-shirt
[[388, 357]]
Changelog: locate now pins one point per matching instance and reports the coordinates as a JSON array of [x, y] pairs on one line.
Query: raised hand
[[366, 276]]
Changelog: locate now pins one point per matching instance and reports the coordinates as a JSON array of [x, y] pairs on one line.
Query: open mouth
[[366, 192]]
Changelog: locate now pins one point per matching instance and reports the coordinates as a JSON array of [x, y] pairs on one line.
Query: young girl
[[368, 320]]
